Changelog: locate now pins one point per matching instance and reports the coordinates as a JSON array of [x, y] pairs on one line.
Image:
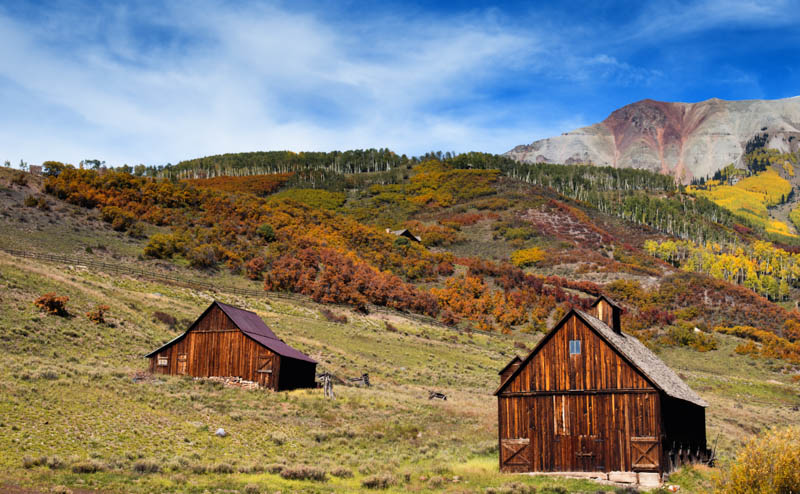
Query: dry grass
[[304, 472]]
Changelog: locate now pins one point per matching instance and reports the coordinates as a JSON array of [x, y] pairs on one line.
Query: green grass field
[[68, 395], [71, 413]]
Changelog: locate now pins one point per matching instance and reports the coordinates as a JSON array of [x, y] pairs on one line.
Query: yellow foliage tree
[[768, 464], [527, 257]]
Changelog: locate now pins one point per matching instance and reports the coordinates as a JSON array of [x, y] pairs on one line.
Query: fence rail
[[193, 284]]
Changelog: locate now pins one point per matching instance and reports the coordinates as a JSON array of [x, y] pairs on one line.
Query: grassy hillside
[[69, 395], [69, 402]]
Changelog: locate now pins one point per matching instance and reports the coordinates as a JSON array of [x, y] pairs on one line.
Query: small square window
[[574, 347], [162, 361]]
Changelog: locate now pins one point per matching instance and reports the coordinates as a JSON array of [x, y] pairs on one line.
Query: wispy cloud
[[675, 18]]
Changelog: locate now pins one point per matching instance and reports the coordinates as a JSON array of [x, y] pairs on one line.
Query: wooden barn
[[592, 398], [226, 341]]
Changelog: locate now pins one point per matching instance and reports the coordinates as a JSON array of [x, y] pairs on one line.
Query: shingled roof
[[251, 325], [643, 359]]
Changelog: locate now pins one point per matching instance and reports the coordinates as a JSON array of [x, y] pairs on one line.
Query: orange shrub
[[255, 267], [98, 314], [464, 219], [433, 235], [53, 304], [763, 343], [259, 185]]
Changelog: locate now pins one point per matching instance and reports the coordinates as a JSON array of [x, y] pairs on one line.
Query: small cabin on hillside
[[592, 398], [226, 341], [405, 232]]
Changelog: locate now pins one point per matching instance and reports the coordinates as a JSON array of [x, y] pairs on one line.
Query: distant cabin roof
[[636, 353], [251, 325], [405, 232]]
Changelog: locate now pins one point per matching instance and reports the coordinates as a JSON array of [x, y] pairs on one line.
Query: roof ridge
[[234, 307]]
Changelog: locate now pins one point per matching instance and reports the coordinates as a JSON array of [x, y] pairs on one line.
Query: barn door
[[589, 453], [515, 454], [264, 371], [644, 453], [182, 364], [565, 436]]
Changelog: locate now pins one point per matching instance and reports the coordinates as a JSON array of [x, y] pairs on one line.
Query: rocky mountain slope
[[686, 140]]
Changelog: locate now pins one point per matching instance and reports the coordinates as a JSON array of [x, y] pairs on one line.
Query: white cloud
[[226, 80]]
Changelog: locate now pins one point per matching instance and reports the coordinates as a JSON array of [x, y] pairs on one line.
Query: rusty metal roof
[[247, 321], [251, 325], [254, 327]]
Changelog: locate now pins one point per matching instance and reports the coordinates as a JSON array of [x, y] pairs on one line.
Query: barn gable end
[[591, 398], [606, 370]]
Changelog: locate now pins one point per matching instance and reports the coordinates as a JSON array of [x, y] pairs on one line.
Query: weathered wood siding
[[598, 367], [506, 373], [608, 314], [216, 347], [582, 432], [586, 412]]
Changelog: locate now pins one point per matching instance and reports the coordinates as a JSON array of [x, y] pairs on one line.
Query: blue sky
[[149, 82]]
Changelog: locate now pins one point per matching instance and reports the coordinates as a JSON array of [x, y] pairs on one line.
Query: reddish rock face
[[685, 140], [659, 126]]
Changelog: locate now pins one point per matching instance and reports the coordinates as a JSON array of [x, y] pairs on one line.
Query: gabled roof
[[405, 232], [512, 362], [633, 351], [252, 326]]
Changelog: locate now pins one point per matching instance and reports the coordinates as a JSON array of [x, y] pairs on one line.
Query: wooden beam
[[582, 392]]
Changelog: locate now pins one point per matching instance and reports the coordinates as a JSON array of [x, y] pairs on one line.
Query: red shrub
[[255, 267]]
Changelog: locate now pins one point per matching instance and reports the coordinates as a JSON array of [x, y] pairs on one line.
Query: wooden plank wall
[[508, 372], [559, 426], [579, 412], [598, 367], [215, 347]]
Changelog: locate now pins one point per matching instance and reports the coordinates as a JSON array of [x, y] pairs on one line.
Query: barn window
[[162, 361], [574, 347]]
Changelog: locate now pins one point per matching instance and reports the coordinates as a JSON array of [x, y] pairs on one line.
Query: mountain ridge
[[684, 140]]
